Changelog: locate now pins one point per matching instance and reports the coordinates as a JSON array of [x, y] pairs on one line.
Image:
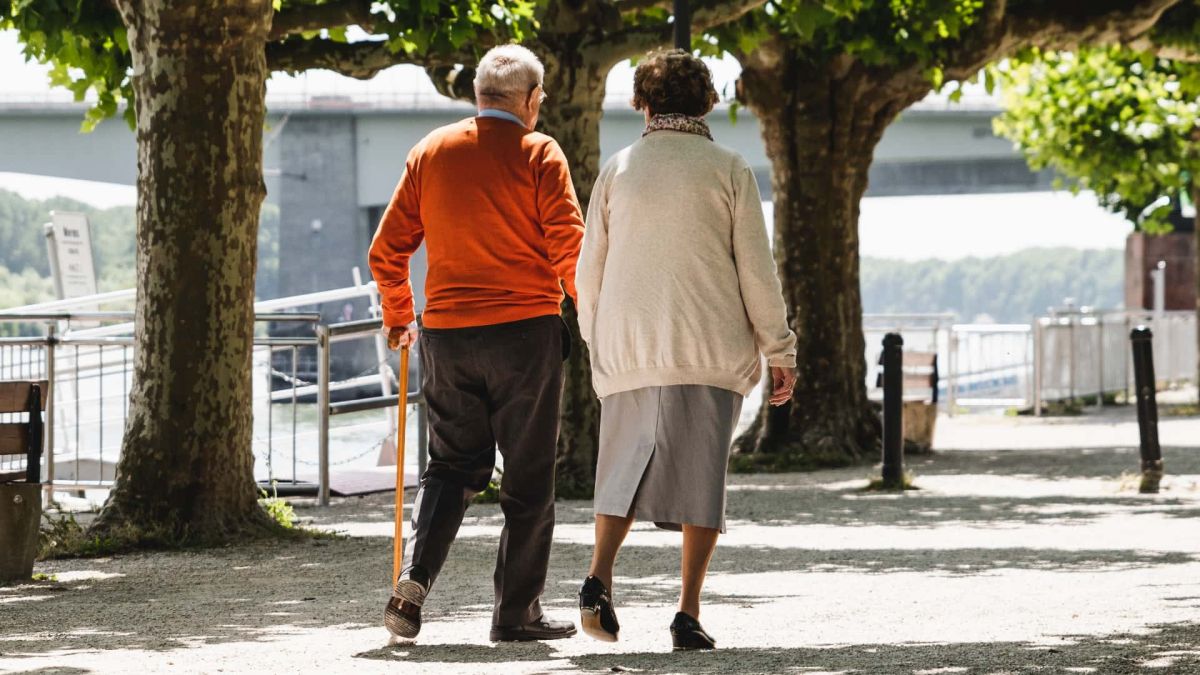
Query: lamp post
[[683, 25]]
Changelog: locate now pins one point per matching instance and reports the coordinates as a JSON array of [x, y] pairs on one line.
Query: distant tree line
[[24, 263], [1009, 289]]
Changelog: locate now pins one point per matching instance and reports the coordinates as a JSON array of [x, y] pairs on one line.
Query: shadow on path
[[1166, 649], [167, 601]]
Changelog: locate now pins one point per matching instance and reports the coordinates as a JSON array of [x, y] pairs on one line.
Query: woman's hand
[[783, 382], [401, 336]]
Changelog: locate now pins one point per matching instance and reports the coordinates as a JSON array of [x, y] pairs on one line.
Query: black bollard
[[1147, 408], [893, 411]]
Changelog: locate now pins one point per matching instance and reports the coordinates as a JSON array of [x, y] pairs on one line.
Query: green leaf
[[936, 76]]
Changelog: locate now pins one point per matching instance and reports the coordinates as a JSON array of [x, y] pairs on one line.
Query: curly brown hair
[[673, 82]]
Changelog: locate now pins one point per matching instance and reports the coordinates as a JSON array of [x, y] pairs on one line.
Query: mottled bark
[[820, 123], [186, 471], [575, 84]]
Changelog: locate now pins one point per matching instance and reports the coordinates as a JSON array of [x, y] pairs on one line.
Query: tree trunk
[[820, 123], [186, 470], [575, 84]]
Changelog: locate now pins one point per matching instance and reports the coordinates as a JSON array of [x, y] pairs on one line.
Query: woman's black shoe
[[687, 633], [596, 613]]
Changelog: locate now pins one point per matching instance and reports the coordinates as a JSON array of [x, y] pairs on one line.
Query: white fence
[[1065, 356], [1088, 354]]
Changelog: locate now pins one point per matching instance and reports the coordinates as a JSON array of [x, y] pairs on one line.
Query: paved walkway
[[1026, 550]]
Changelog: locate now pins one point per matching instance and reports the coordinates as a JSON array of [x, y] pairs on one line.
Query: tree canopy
[[1116, 121], [87, 47]]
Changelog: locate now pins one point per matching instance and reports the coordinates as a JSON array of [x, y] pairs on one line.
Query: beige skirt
[[664, 453]]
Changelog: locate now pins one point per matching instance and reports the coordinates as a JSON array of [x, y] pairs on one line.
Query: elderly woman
[[679, 302]]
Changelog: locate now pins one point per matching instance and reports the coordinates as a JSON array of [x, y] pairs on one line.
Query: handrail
[[13, 317], [127, 340], [317, 298], [9, 317], [68, 303], [52, 314], [991, 328], [264, 308], [280, 317], [359, 327]]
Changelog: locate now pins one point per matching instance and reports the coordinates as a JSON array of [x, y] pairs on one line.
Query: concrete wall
[[50, 143], [1143, 253], [320, 224]]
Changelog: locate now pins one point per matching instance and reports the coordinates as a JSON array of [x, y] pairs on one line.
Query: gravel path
[[1006, 561]]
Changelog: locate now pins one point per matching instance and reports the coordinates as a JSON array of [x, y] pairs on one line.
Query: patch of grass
[[491, 493], [64, 537], [1074, 408], [282, 513], [1182, 410], [1058, 409], [877, 484], [278, 510]]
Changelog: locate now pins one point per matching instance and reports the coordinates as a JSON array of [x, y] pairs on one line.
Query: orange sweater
[[494, 204]]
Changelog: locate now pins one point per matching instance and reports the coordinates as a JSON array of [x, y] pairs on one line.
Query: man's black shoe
[[596, 612], [542, 629], [403, 613], [688, 634]]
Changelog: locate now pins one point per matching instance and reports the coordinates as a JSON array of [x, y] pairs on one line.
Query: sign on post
[[69, 240]]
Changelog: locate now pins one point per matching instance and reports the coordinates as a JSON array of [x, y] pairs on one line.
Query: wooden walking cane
[[398, 542]]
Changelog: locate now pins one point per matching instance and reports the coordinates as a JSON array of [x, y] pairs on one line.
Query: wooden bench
[[920, 384], [920, 375], [22, 439]]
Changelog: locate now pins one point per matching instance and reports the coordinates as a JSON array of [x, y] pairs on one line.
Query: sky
[[947, 227]]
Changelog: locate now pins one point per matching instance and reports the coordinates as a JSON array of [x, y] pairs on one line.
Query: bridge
[[331, 163]]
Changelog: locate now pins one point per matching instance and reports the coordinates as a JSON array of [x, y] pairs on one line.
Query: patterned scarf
[[677, 122]]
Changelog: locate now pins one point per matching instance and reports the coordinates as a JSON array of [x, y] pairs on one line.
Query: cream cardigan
[[676, 280]]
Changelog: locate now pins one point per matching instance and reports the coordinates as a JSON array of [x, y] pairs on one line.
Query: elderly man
[[493, 202]]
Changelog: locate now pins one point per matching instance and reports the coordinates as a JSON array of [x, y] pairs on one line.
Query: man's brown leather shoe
[[542, 629], [403, 614]]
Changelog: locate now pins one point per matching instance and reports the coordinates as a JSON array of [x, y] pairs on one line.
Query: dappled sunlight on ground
[[1004, 561]]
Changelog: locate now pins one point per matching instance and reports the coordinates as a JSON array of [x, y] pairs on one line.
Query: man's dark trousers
[[488, 388]]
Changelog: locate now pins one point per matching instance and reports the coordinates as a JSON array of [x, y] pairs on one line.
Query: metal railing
[[89, 383], [90, 368], [1064, 356], [1086, 353], [979, 365]]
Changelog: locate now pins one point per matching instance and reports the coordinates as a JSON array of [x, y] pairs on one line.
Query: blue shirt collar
[[501, 114]]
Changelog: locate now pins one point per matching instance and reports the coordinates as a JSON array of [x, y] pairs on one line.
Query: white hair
[[507, 71]]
